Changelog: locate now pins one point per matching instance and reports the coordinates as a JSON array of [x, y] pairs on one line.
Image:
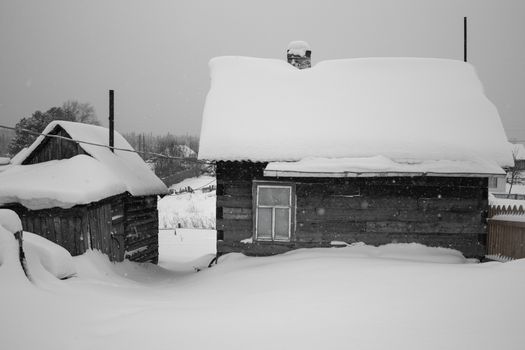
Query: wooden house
[[379, 151], [83, 196]]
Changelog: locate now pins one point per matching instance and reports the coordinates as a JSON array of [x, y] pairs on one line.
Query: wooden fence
[[506, 232]]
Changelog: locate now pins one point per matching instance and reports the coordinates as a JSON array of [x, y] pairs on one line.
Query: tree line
[[176, 146], [71, 111]]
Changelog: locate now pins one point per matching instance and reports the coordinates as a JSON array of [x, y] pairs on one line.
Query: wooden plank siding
[[506, 238], [116, 226], [435, 211], [65, 227]]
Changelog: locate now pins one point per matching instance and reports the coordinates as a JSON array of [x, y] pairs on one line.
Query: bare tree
[[513, 173], [80, 112]]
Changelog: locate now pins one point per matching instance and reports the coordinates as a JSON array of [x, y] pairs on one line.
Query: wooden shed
[[84, 196], [386, 150]]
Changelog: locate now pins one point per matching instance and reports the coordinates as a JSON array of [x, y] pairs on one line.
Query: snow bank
[[331, 297], [54, 258], [404, 251], [93, 265], [11, 271], [405, 109], [10, 220], [377, 166]]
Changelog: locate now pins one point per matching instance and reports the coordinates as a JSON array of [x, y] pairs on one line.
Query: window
[[274, 212]]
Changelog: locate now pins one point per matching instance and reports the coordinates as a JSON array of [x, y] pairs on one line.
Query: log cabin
[[373, 150], [83, 196]]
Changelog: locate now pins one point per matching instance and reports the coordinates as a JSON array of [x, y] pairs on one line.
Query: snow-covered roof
[[408, 110], [59, 183], [81, 179], [518, 151], [379, 166], [20, 156], [298, 48]]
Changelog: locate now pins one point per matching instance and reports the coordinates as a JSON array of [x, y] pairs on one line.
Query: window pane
[[274, 196], [282, 224], [264, 223]]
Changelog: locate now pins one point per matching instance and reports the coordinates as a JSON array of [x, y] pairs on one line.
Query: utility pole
[[111, 120], [465, 39]]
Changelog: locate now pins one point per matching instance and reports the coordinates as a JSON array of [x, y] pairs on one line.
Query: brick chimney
[[298, 54]]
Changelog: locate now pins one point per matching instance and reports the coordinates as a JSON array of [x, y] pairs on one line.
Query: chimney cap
[[298, 48]]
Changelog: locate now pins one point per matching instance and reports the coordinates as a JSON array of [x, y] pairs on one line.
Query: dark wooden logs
[[436, 211]]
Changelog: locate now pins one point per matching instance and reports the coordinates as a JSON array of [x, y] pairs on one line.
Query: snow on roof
[[81, 179], [378, 165], [519, 151], [298, 48], [405, 109], [59, 183]]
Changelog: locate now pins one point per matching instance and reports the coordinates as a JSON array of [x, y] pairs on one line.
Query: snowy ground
[[359, 297], [189, 210], [181, 246]]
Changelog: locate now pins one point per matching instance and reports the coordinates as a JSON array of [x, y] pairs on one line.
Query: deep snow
[[395, 297]]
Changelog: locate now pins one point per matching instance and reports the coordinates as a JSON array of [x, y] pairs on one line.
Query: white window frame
[[290, 207]]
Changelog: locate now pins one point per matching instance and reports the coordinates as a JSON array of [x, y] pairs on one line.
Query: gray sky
[[155, 53]]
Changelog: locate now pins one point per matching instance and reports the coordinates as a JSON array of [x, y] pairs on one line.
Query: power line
[[101, 145]]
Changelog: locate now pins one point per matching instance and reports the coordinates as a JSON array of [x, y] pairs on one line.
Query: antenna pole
[[465, 39]]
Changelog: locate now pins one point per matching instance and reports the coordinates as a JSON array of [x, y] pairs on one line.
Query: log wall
[[435, 211], [141, 229]]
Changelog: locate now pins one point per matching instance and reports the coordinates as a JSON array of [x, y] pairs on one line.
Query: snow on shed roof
[[59, 183], [103, 175], [518, 151], [405, 109]]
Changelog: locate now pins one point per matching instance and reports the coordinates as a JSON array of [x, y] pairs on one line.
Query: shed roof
[[81, 179], [404, 109]]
